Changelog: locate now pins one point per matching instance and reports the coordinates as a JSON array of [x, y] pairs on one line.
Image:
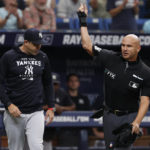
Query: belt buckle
[[116, 111]]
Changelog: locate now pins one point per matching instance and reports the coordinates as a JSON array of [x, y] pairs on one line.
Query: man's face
[[130, 48], [41, 4], [75, 1], [11, 3], [32, 48], [73, 83]]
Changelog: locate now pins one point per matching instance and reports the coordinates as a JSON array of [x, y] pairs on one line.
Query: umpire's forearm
[[143, 108], [86, 41]]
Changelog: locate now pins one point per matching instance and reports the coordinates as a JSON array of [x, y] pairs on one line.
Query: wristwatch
[[52, 108]]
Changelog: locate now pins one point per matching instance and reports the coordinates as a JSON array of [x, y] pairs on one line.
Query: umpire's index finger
[[81, 8], [85, 9], [82, 1]]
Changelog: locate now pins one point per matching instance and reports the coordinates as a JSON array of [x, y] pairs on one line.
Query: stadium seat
[[93, 24], [57, 2], [140, 23], [88, 6], [146, 27], [106, 24], [64, 23]]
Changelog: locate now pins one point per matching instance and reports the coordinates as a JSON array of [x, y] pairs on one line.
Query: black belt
[[120, 112]]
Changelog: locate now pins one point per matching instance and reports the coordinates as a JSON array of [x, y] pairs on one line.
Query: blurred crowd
[[43, 14], [71, 99]]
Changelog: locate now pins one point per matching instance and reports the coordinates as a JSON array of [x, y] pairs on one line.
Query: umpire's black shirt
[[125, 81]]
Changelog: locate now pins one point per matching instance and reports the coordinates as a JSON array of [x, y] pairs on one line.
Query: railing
[[80, 119]]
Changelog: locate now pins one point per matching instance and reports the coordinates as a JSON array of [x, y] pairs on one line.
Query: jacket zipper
[[126, 66]]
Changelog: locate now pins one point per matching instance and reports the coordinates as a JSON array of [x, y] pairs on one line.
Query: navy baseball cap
[[33, 35], [55, 77]]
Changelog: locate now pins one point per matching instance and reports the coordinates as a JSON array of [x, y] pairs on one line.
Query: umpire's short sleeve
[[146, 88], [102, 56]]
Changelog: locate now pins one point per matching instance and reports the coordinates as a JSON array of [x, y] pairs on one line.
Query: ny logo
[[29, 69], [40, 35]]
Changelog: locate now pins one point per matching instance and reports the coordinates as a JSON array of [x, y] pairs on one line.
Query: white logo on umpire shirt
[[97, 48], [137, 77], [133, 84], [110, 74]]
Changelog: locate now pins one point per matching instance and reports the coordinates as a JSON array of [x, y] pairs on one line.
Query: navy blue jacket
[[25, 80]]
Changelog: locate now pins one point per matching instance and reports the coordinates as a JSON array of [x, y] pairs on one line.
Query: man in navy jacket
[[25, 81]]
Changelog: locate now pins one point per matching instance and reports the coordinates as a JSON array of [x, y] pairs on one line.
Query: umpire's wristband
[[82, 18]]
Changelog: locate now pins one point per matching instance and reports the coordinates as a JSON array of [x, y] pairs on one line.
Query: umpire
[[127, 82]]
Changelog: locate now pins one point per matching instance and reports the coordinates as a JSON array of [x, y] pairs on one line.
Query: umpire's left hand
[[49, 116], [135, 128]]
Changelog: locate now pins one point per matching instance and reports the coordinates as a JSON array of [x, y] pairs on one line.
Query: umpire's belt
[[120, 112]]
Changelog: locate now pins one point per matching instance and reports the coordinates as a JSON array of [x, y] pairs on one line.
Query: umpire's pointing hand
[[14, 110], [83, 8], [49, 116]]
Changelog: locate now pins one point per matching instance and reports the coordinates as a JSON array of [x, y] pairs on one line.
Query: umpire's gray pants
[[27, 127], [111, 122]]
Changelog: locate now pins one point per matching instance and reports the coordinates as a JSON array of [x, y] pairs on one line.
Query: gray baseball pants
[[111, 122], [26, 128]]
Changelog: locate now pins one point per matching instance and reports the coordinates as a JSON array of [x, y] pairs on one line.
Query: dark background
[[74, 59]]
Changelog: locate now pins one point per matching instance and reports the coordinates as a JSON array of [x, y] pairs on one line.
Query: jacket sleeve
[[48, 84], [103, 57], [4, 66]]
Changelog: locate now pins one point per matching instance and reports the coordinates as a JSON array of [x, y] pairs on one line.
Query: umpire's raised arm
[[86, 41]]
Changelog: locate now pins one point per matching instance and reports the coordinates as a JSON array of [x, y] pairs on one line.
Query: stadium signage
[[80, 119], [71, 39], [105, 40], [47, 38], [58, 39], [2, 39], [145, 40], [71, 119]]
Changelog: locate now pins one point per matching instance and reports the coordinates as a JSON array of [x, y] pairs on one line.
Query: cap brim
[[38, 42]]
